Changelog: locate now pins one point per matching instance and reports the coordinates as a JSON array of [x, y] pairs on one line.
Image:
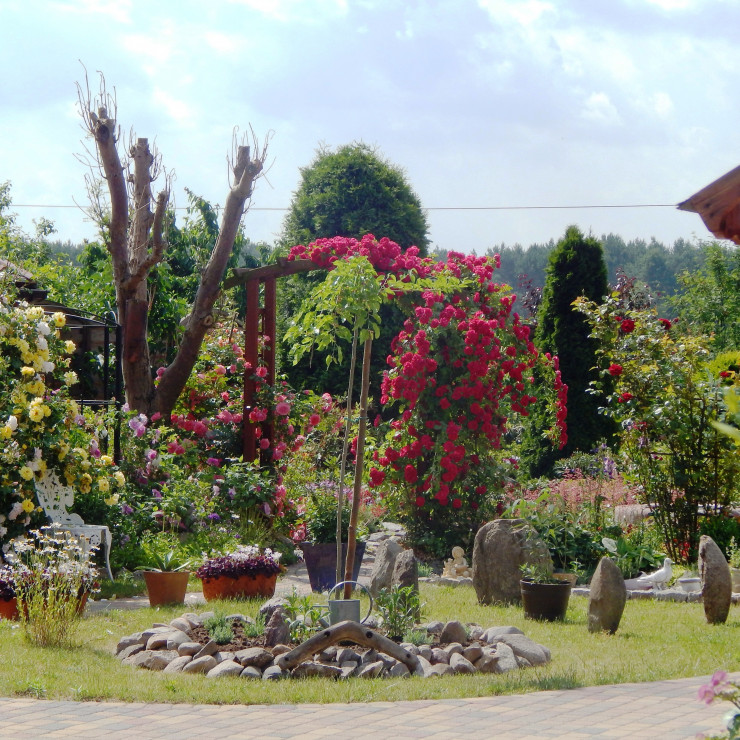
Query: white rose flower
[[12, 422], [43, 328]]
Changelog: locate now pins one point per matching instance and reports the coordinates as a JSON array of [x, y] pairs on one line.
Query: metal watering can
[[340, 610]]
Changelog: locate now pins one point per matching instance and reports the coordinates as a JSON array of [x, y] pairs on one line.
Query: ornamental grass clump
[[52, 574], [246, 560]]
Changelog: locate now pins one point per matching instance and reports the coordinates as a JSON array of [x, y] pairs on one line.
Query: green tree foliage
[[576, 268], [352, 191], [709, 302]]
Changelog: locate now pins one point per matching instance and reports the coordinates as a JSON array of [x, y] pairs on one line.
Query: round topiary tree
[[351, 192], [576, 268]]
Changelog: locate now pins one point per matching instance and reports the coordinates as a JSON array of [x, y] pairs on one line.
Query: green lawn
[[656, 640]]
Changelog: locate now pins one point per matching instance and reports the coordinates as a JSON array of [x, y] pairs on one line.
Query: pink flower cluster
[[384, 254]]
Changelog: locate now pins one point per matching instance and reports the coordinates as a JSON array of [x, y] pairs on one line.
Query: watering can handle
[[359, 585]]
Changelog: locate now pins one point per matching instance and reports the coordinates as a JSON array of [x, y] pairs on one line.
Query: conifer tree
[[576, 268]]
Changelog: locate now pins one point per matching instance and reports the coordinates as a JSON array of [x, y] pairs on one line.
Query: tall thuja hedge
[[576, 268]]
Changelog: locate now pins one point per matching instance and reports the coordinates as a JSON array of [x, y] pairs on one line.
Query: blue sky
[[481, 102]]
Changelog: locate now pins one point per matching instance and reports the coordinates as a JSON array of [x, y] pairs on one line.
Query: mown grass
[[656, 640]]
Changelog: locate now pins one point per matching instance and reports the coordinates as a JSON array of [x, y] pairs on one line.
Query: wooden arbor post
[[262, 320]]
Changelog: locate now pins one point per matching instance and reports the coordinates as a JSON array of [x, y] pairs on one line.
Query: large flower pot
[[545, 600], [321, 563], [166, 587], [244, 587], [9, 608]]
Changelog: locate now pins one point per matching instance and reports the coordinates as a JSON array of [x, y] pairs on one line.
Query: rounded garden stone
[[440, 655], [178, 664], [182, 624], [210, 648], [201, 665], [273, 673], [154, 660], [454, 631], [492, 634], [136, 639], [130, 651], [371, 670], [255, 656], [505, 658], [189, 648], [459, 664], [400, 670], [524, 647], [251, 672], [472, 652], [225, 668], [310, 668]]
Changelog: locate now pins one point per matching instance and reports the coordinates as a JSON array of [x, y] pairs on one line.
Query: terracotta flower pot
[[9, 608], [166, 587], [545, 600], [244, 587]]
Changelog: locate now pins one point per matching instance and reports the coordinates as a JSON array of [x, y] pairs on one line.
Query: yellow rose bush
[[41, 426]]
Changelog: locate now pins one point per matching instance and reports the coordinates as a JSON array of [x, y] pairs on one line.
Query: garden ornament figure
[[457, 566], [658, 579]]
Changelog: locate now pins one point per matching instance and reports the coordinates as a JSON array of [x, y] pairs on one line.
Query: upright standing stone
[[716, 581], [406, 570], [385, 561], [277, 630], [501, 547], [607, 599]]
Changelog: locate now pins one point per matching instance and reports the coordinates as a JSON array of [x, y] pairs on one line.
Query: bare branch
[[158, 241]]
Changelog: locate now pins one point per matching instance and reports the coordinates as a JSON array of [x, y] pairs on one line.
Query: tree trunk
[[172, 382], [136, 244], [359, 465], [345, 450]]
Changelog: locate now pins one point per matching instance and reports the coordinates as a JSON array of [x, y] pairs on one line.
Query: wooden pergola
[[718, 204], [260, 320]]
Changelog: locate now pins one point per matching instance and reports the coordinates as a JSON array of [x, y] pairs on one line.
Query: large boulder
[[501, 547], [385, 561], [607, 597], [716, 581]]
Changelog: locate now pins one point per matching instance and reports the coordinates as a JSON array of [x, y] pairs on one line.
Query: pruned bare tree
[[136, 241]]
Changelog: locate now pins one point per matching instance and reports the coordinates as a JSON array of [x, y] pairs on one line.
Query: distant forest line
[[653, 263]]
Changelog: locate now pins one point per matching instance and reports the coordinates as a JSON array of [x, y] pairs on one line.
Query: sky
[[492, 105]]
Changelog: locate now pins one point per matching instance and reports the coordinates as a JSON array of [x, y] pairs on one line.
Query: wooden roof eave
[[718, 204]]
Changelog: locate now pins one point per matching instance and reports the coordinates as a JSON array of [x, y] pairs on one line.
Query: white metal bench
[[55, 498]]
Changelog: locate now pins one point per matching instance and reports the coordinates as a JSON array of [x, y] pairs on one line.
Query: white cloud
[[117, 10], [179, 110], [599, 109], [672, 4], [524, 12], [301, 11], [662, 104], [225, 44]]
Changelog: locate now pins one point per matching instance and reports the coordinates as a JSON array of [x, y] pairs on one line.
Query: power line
[[430, 208]]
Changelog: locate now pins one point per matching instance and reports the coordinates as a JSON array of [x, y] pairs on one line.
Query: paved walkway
[[660, 711]]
